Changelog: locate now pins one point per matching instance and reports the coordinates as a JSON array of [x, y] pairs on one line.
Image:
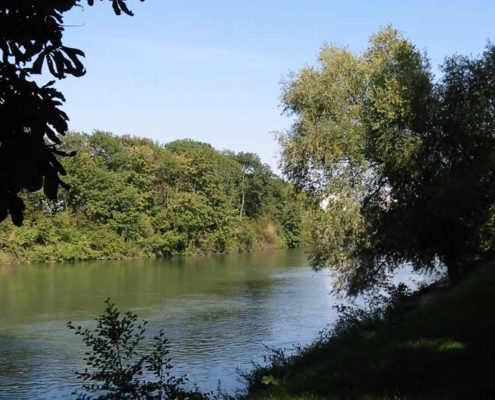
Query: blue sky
[[211, 70]]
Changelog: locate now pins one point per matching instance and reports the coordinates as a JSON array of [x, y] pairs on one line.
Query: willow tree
[[404, 166], [31, 41]]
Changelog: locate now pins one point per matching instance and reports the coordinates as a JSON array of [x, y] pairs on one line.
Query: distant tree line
[[132, 197]]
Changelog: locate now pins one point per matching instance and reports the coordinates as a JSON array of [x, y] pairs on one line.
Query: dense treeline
[[132, 197]]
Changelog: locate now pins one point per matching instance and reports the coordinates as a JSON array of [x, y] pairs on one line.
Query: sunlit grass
[[435, 344]]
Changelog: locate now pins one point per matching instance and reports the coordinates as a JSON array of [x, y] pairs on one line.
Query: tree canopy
[[403, 163], [132, 197], [31, 33]]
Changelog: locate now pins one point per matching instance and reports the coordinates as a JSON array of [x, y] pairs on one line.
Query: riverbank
[[436, 344], [48, 242], [130, 197]]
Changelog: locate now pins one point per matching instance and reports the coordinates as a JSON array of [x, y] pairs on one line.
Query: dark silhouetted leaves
[[16, 209], [32, 122]]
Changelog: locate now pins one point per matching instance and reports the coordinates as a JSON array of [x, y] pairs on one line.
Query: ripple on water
[[218, 313]]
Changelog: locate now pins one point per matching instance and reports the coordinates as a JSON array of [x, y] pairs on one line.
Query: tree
[[254, 184], [404, 166], [31, 34], [130, 196]]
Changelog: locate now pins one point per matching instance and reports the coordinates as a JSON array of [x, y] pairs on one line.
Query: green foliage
[[118, 367], [403, 166], [255, 183], [132, 197], [31, 34]]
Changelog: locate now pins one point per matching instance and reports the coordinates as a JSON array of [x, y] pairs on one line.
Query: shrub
[[117, 367]]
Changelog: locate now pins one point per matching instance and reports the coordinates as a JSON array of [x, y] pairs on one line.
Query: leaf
[[72, 51], [65, 185], [50, 83], [34, 183], [115, 6], [124, 8], [60, 64], [52, 135], [50, 187], [37, 66], [76, 68], [56, 164], [51, 66], [16, 208]]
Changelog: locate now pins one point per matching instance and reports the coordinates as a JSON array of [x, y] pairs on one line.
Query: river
[[218, 312]]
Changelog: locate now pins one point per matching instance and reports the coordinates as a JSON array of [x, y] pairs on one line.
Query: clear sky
[[211, 70]]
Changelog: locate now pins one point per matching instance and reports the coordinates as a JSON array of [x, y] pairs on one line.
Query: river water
[[218, 312]]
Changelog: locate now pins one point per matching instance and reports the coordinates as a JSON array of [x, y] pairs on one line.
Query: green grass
[[440, 346]]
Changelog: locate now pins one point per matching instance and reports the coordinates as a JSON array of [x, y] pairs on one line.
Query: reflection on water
[[218, 312]]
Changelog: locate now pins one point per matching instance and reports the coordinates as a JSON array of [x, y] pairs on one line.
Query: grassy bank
[[436, 344]]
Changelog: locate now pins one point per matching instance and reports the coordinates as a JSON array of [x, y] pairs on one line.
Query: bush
[[117, 367]]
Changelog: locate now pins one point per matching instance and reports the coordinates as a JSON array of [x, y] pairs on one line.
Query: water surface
[[218, 312]]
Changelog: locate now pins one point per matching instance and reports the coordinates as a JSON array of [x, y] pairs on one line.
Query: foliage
[[255, 184], [132, 197], [119, 368], [403, 165], [31, 35]]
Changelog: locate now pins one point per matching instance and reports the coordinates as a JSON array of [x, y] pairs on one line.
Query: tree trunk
[[242, 195]]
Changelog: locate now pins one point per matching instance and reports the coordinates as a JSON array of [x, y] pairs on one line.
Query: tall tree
[[31, 33], [404, 166], [254, 184]]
